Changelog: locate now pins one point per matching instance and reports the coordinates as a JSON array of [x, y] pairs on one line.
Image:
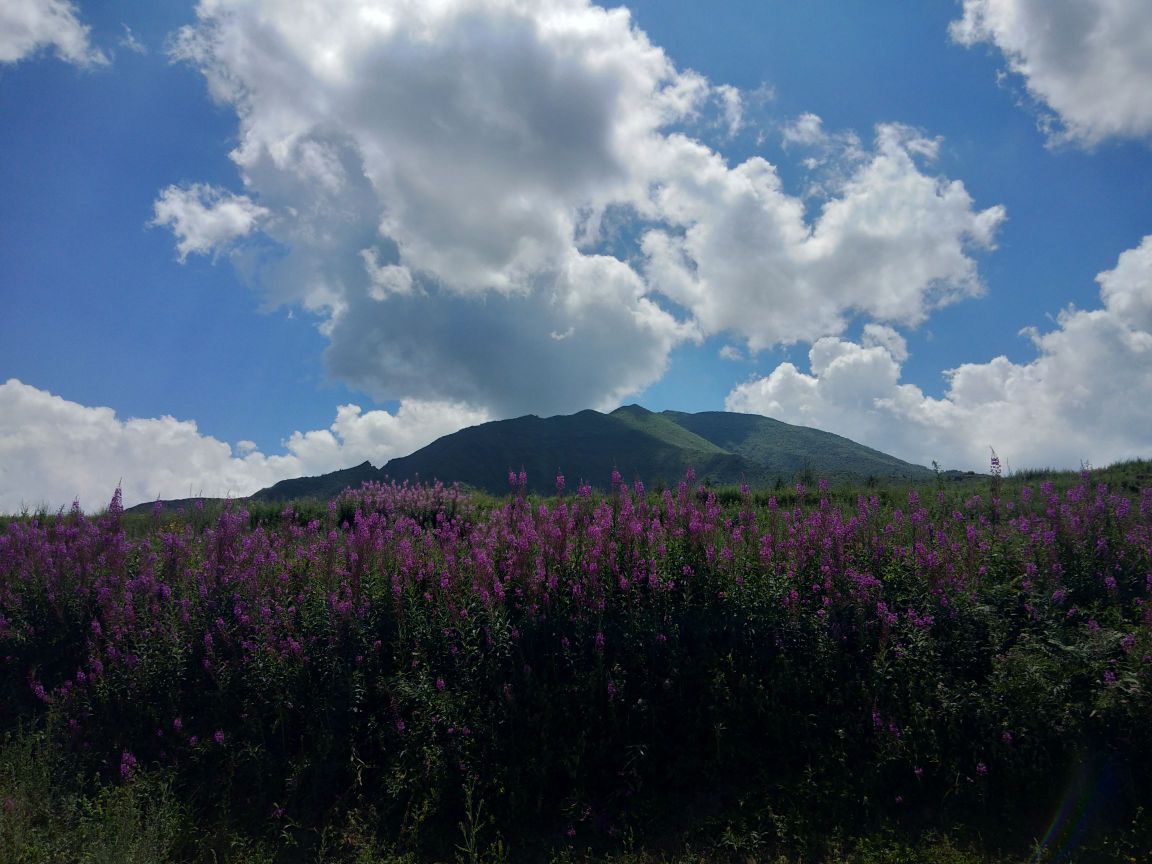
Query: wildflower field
[[414, 673]]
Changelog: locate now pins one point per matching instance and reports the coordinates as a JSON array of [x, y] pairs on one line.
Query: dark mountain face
[[583, 447], [324, 486], [658, 449], [720, 446]]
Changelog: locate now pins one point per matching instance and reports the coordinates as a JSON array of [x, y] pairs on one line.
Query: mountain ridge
[[722, 447]]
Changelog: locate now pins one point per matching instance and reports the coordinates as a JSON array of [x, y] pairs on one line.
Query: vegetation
[[960, 672]]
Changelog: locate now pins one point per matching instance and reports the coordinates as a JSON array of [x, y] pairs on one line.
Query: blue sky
[[241, 241]]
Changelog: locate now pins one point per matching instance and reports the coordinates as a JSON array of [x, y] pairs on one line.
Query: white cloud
[[482, 128], [204, 218], [53, 450], [30, 26], [456, 189], [378, 436], [130, 42], [892, 243], [886, 338], [437, 175], [1090, 61], [732, 106], [806, 130], [1087, 397]]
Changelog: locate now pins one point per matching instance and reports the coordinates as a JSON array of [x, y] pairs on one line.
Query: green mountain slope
[[584, 446], [664, 428], [783, 450]]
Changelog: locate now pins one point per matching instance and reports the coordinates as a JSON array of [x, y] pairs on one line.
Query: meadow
[[960, 672]]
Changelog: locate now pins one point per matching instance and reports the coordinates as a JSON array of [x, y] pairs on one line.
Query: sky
[[246, 240]]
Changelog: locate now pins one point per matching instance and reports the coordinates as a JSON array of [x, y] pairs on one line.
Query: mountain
[[657, 448], [784, 450], [584, 446], [322, 487]]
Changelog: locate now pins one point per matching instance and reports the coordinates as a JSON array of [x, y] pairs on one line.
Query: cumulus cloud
[[377, 436], [1090, 61], [587, 337], [1086, 397], [437, 177], [205, 218], [53, 451], [888, 339], [460, 190], [807, 129], [892, 243], [30, 26]]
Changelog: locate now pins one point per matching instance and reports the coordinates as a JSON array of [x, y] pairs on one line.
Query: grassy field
[[960, 672]]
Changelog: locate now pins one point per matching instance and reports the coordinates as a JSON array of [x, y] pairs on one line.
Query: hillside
[[781, 449], [658, 448], [584, 446], [723, 447], [323, 486]]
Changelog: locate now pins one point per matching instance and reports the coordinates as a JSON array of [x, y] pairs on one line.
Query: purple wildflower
[[127, 765]]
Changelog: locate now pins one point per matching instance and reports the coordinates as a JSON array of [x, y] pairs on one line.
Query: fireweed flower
[[244, 594], [127, 765]]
